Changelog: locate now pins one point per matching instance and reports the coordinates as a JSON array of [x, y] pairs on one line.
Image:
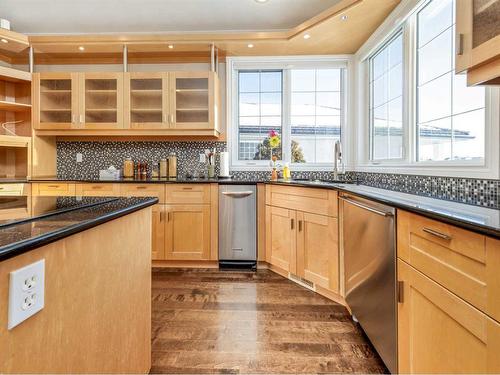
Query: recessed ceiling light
[[81, 48], [4, 40], [170, 46], [250, 45], [261, 1], [343, 18], [306, 36]]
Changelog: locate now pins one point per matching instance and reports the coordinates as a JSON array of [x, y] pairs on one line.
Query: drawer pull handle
[[437, 234], [141, 187], [96, 187], [1, 188], [53, 186], [187, 188]]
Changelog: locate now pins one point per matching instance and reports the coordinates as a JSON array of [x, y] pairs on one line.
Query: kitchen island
[[96, 316]]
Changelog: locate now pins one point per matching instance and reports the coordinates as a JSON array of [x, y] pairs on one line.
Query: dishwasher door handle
[[237, 194], [368, 208]]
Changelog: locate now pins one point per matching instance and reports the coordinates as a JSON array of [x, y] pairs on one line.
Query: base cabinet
[[439, 332], [317, 249], [187, 232], [304, 244]]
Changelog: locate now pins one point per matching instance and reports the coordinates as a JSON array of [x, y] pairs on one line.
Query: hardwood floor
[[210, 321]]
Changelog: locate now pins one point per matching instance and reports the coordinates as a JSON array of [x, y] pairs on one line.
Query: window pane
[[468, 138], [302, 80], [259, 112], [386, 104], [450, 115], [315, 114], [328, 80], [434, 99], [436, 17], [434, 59]]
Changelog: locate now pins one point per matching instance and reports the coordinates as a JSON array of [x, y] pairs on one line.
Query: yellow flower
[[274, 141]]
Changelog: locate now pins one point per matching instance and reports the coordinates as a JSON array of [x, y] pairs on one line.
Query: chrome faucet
[[337, 152]]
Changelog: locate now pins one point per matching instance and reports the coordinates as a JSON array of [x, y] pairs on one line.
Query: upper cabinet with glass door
[[194, 100], [478, 40], [55, 100], [146, 101], [101, 100]]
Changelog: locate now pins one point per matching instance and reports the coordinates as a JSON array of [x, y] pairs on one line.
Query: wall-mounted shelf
[[14, 107]]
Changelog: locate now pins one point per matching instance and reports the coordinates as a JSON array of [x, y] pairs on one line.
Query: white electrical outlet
[[26, 292], [203, 158], [79, 157]]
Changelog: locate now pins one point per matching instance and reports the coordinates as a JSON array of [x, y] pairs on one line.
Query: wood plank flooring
[[210, 321]]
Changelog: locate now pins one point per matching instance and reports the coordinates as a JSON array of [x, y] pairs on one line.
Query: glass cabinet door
[[56, 100], [192, 100], [485, 23], [101, 101], [147, 100]]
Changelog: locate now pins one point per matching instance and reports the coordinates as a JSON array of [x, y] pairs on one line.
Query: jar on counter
[[128, 168], [163, 168], [172, 165]]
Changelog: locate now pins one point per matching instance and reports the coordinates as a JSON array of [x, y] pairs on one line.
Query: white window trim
[[487, 168], [233, 64]]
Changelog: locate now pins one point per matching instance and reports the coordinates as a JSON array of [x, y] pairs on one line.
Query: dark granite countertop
[[62, 217], [479, 219], [153, 180]]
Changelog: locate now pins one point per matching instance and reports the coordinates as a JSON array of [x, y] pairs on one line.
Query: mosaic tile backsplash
[[100, 155]]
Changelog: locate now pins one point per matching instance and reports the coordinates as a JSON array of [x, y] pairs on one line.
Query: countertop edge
[[21, 247]]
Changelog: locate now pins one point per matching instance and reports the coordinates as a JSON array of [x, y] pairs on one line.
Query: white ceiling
[[118, 16]]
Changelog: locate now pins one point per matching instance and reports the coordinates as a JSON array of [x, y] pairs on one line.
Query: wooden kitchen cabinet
[[70, 101], [100, 100], [147, 104], [53, 189], [317, 249], [438, 332], [478, 41], [187, 232], [55, 100], [194, 100], [300, 241], [97, 190], [281, 238]]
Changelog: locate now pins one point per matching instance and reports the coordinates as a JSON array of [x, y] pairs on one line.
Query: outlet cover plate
[[26, 292]]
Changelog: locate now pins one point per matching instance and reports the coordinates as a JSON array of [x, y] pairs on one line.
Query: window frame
[[285, 63], [405, 17]]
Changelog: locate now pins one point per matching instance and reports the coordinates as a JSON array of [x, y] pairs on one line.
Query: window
[[260, 111], [420, 113], [315, 115], [450, 115], [303, 101], [386, 101]]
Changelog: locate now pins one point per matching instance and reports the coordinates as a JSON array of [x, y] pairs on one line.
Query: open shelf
[[14, 107], [14, 75]]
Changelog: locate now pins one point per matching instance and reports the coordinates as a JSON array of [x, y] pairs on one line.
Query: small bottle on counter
[[286, 172], [144, 171], [155, 171], [163, 168], [128, 168]]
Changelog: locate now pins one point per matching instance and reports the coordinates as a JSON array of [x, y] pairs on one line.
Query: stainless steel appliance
[[237, 226], [368, 230]]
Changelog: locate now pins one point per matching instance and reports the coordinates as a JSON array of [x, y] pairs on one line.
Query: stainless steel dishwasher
[[237, 226], [368, 230]]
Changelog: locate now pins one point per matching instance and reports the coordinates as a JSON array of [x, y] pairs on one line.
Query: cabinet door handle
[[162, 215], [82, 119], [171, 119], [437, 234], [300, 225], [400, 291], [292, 223], [459, 44], [73, 119], [168, 216]]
